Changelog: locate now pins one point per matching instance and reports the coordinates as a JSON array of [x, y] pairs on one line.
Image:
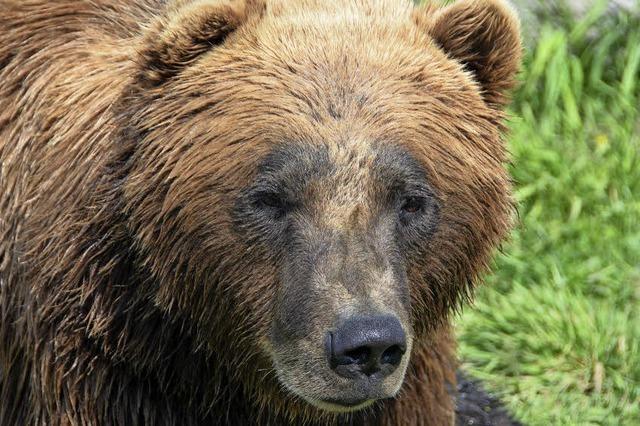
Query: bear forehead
[[335, 88], [338, 58]]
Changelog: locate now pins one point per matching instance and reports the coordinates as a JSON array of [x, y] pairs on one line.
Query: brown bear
[[245, 211]]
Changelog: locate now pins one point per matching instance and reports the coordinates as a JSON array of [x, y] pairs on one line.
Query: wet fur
[[116, 207]]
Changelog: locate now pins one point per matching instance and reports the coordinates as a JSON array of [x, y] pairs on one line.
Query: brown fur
[[127, 130]]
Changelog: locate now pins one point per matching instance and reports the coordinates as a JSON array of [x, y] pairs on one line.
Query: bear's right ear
[[189, 29]]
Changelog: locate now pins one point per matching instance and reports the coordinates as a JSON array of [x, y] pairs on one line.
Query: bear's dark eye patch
[[418, 211], [278, 187], [273, 203], [406, 189]]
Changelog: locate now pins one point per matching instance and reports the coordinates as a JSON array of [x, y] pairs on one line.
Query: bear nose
[[366, 345]]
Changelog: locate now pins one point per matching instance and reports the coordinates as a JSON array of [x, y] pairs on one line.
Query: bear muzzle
[[365, 350], [360, 358]]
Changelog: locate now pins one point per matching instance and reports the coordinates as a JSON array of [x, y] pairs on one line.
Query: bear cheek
[[301, 311], [445, 276]]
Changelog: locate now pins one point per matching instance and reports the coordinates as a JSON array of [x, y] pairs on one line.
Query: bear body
[[197, 196]]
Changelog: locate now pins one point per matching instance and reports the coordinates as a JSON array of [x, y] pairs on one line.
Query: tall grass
[[557, 330]]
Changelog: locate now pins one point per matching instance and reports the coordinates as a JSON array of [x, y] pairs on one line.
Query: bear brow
[[396, 166], [295, 163]]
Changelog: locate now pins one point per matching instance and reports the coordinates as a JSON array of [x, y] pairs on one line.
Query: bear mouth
[[346, 403], [342, 406]]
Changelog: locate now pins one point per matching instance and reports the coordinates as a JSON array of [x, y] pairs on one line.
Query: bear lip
[[346, 402], [342, 406]]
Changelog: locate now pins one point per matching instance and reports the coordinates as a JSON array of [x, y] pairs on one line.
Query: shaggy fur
[[128, 130]]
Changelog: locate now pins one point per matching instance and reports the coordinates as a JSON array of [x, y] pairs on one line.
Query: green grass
[[556, 331]]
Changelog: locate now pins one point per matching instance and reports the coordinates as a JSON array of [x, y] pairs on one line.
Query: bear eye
[[272, 202], [412, 205]]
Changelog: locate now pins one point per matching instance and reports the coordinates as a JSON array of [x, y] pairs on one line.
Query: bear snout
[[366, 347]]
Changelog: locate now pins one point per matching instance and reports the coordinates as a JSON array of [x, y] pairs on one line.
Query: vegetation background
[[556, 332]]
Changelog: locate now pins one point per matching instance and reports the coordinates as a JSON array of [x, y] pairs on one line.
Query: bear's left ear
[[188, 29], [483, 35]]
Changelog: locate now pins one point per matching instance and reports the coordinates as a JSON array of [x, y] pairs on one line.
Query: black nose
[[366, 345]]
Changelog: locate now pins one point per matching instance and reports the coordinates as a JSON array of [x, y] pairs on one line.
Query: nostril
[[392, 355], [359, 355]]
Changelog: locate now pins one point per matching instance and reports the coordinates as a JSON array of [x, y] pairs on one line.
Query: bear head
[[315, 186]]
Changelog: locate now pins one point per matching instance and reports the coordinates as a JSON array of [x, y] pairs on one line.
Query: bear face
[[340, 219], [316, 186]]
